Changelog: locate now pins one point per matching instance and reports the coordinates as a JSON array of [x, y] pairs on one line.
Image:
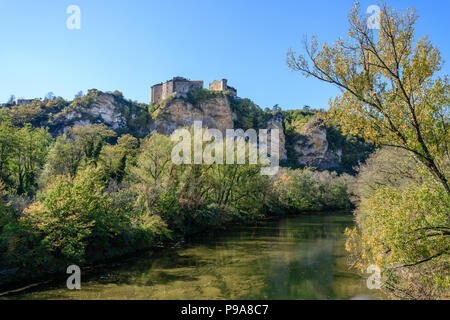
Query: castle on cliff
[[181, 86]]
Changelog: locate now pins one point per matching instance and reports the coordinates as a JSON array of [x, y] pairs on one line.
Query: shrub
[[402, 226]]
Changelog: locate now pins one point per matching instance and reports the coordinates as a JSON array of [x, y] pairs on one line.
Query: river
[[293, 258]]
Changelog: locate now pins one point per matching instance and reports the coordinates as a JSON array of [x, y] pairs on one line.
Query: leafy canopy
[[391, 93]]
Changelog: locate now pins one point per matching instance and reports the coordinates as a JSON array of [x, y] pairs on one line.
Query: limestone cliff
[[275, 121], [104, 110], [214, 112], [304, 139], [111, 109], [312, 147]]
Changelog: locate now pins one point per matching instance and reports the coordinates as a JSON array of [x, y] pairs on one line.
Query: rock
[[104, 110], [276, 121], [312, 147], [214, 113], [110, 109], [308, 147]]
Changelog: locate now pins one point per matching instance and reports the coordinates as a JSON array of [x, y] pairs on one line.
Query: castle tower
[[222, 85]]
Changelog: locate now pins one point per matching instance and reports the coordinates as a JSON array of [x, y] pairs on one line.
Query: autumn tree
[[391, 91], [401, 226], [392, 95]]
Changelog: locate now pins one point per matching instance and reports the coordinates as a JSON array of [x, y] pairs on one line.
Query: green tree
[[248, 114], [114, 158], [153, 170], [8, 145], [63, 158], [77, 215], [5, 215], [78, 146], [29, 157], [89, 140]]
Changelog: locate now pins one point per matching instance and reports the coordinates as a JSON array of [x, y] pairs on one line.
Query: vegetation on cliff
[[353, 150], [96, 107]]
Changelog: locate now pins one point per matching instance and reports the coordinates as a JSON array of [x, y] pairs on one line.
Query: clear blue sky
[[131, 45]]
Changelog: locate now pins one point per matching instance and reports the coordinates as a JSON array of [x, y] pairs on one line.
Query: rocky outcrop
[[312, 147], [214, 113], [307, 145], [104, 110], [111, 109], [276, 121]]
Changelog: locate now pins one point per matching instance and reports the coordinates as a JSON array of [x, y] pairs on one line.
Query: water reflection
[[295, 258]]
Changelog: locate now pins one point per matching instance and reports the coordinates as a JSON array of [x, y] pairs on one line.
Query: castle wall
[[156, 93], [222, 85], [21, 101], [217, 85], [183, 87], [167, 89]]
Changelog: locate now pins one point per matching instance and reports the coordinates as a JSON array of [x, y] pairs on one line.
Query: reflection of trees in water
[[294, 258], [308, 275], [305, 267]]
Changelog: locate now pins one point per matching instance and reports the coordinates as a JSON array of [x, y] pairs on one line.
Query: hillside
[[305, 140]]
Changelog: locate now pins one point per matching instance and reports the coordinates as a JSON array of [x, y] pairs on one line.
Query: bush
[[248, 114], [308, 190], [402, 226]]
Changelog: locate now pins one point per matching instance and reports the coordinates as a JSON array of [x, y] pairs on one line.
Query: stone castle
[[222, 85], [180, 86]]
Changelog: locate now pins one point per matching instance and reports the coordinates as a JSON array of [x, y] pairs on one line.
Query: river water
[[294, 258]]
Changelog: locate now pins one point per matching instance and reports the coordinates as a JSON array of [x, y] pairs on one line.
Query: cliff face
[[105, 110], [313, 148], [311, 145], [276, 121], [214, 113], [111, 109], [308, 146]]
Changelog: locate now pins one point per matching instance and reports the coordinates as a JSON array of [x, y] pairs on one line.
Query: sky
[[129, 45]]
